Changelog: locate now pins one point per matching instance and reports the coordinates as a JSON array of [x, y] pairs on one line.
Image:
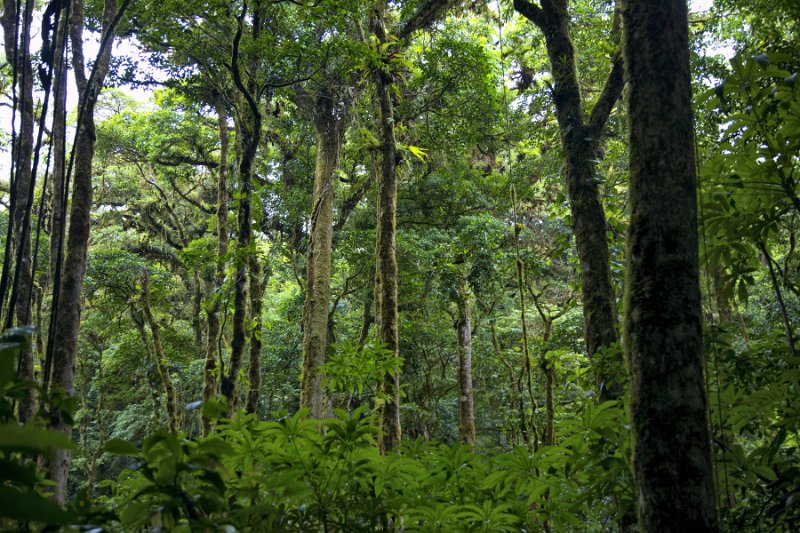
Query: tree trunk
[[257, 284], [210, 372], [158, 352], [59, 149], [318, 273], [197, 306], [386, 247], [230, 382], [663, 320], [466, 412], [67, 323], [580, 138], [22, 151], [249, 119]]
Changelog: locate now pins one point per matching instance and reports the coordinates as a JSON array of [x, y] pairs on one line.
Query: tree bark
[[22, 150], [210, 369], [466, 411], [386, 246], [249, 120], [69, 308], [59, 149], [329, 126], [158, 352], [250, 134], [580, 139], [663, 318], [257, 284]]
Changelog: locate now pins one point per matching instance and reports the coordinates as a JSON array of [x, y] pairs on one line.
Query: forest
[[409, 265]]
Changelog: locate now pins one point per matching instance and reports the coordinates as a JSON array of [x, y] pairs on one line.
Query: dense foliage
[[208, 195]]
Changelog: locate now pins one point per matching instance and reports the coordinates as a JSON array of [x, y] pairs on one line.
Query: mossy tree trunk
[[19, 278], [329, 123], [65, 338], [463, 325], [211, 367], [257, 284], [158, 352], [249, 120], [580, 139], [663, 321], [386, 246]]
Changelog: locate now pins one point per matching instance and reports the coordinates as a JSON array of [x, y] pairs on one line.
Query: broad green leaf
[[14, 437], [30, 506], [121, 447]]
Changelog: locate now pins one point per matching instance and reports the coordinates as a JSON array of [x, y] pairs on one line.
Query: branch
[[608, 98], [171, 160], [347, 208], [530, 11], [236, 72], [185, 196], [425, 15], [614, 84]]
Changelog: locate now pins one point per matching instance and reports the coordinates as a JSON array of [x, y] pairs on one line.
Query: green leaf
[[16, 472], [765, 472], [419, 153], [31, 506], [14, 437], [215, 408], [121, 447], [134, 514]]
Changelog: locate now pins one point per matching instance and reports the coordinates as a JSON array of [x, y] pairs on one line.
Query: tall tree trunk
[[18, 50], [580, 138], [59, 147], [230, 382], [386, 247], [150, 358], [249, 120], [466, 411], [548, 368], [158, 353], [663, 318], [65, 337], [197, 307], [257, 284], [318, 273], [210, 369]]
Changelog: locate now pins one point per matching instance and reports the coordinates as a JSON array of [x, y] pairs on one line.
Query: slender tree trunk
[[257, 284], [788, 331], [210, 369], [527, 372], [69, 309], [197, 306], [230, 382], [158, 352], [663, 319], [138, 322], [367, 318], [59, 147], [580, 139], [249, 120], [318, 273], [386, 313], [466, 411], [516, 388], [20, 276]]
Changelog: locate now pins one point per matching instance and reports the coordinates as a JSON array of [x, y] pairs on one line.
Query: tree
[[663, 320], [581, 137], [67, 310], [328, 109], [16, 21], [249, 119]]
